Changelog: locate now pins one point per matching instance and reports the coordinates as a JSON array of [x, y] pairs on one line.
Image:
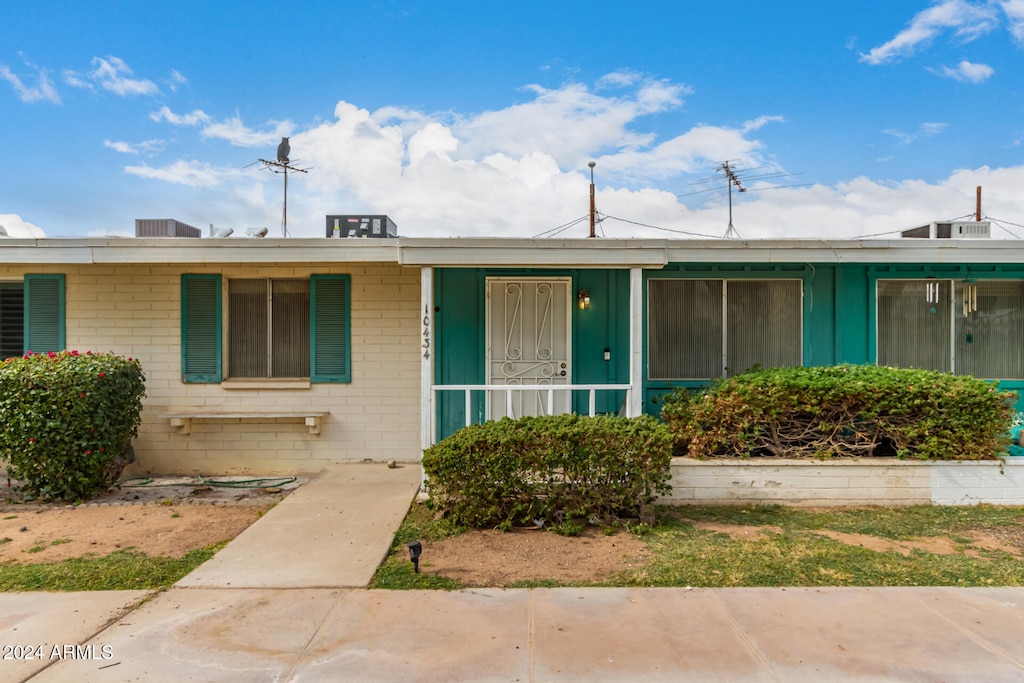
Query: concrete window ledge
[[846, 481]]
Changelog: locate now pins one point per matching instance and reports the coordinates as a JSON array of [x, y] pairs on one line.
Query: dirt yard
[[165, 518]]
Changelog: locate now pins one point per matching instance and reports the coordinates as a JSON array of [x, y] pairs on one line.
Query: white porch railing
[[549, 389]]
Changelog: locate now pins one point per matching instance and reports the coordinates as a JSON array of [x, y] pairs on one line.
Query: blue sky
[[466, 118]]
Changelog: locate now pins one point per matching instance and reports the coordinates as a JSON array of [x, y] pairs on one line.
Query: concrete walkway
[[278, 604], [331, 533]]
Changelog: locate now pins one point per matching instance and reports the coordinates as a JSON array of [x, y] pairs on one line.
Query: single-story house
[[275, 356]]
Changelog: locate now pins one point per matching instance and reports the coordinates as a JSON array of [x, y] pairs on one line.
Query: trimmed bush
[[843, 410], [554, 468], [68, 421]]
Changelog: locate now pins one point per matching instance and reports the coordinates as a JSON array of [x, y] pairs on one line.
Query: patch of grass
[[10, 517], [693, 557], [397, 572], [121, 570], [36, 549], [60, 541], [789, 551]]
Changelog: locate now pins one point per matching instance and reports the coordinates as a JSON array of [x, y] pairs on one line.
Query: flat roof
[[504, 252]]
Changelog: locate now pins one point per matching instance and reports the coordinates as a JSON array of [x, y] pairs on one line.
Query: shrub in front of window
[[843, 410], [68, 421], [552, 470]]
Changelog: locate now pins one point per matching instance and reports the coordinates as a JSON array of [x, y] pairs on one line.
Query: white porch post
[[636, 341], [426, 359]]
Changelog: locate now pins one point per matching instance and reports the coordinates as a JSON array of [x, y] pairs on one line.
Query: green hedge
[[843, 410], [68, 421], [558, 469]]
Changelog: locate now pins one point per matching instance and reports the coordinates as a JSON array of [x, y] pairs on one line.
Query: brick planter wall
[[875, 481]]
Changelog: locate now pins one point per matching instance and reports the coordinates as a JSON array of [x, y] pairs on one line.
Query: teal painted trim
[[330, 331], [44, 313], [202, 336]]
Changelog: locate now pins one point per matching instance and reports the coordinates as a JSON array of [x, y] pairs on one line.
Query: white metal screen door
[[528, 342]]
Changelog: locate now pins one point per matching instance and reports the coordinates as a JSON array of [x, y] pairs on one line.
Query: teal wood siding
[[853, 299], [330, 318], [605, 325], [201, 329], [44, 313], [460, 337]]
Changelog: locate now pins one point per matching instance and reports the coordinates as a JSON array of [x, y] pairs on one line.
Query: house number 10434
[[426, 332]]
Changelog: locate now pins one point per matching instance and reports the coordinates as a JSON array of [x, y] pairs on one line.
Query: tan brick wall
[[135, 311]]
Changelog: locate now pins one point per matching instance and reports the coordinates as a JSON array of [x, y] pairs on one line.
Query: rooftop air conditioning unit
[[957, 230], [164, 227], [970, 229], [361, 226]]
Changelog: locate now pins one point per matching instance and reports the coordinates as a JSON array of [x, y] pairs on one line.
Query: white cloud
[[760, 122], [966, 72], [237, 133], [1014, 11], [42, 91], [966, 20], [500, 172], [146, 147], [570, 123], [15, 226], [193, 118], [113, 75], [190, 173], [925, 130], [177, 80], [863, 206]]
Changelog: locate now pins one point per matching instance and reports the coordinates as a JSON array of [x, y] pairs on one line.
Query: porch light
[[584, 299]]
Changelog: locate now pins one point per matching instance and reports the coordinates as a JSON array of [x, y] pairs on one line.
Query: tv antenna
[[731, 179], [735, 177], [282, 166]]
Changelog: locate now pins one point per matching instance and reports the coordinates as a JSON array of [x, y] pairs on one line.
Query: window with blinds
[[12, 319], [276, 328], [268, 328], [703, 329], [968, 328]]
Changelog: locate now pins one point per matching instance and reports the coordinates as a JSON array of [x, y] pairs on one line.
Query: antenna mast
[[731, 179], [283, 165], [593, 211]]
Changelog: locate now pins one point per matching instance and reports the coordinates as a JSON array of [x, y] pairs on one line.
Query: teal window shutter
[[330, 353], [201, 329], [44, 313]]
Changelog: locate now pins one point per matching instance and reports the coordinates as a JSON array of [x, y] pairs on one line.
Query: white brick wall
[[966, 483], [846, 482], [135, 311]]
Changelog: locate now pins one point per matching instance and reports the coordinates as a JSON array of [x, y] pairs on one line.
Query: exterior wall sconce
[[584, 299]]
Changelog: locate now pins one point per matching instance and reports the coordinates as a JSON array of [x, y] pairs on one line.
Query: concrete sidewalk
[[566, 634]]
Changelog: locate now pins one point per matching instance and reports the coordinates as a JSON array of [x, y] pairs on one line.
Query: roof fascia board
[[192, 250], [848, 251], [546, 253]]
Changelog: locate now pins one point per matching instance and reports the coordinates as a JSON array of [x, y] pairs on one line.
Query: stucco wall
[[134, 310], [846, 482]]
